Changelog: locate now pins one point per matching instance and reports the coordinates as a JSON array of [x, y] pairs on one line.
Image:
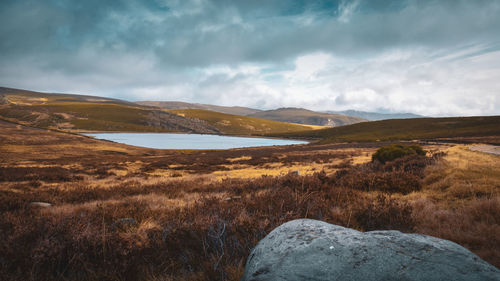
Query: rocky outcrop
[[314, 250], [173, 122]]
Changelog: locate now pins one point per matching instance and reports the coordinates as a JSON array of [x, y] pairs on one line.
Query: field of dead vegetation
[[126, 213]]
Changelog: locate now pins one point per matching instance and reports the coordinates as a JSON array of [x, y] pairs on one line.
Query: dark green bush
[[394, 151]]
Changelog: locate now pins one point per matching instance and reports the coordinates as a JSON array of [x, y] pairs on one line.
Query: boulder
[[313, 250]]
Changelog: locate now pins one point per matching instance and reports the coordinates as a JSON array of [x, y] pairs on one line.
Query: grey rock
[[313, 250], [40, 204]]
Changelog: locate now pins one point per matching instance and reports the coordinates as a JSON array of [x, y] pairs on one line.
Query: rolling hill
[[407, 129], [238, 125], [304, 116], [26, 97], [80, 113], [235, 110], [77, 113]]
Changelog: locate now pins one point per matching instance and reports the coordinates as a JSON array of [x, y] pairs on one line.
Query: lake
[[189, 141]]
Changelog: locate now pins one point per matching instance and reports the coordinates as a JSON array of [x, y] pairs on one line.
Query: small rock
[[232, 198], [313, 250], [40, 204]]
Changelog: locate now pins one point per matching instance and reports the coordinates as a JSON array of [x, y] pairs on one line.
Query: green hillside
[[240, 125], [406, 129], [304, 116], [79, 113], [26, 97], [87, 113]]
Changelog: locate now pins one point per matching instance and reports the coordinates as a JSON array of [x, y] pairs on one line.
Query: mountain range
[[304, 116], [375, 116], [92, 113], [289, 114]]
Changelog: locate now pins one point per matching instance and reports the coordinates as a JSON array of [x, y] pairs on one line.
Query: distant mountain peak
[[375, 116]]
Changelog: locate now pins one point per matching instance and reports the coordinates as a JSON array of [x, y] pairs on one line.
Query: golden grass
[[251, 172], [272, 169], [22, 100], [155, 202], [358, 156], [459, 201], [239, 158], [462, 175], [312, 127], [241, 125]]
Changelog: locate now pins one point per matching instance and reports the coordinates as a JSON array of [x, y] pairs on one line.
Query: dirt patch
[[486, 148]]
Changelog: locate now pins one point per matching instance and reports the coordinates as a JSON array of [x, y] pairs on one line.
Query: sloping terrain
[[235, 110], [116, 212], [237, 124], [88, 113], [79, 113], [375, 116], [408, 129], [304, 116], [26, 97]]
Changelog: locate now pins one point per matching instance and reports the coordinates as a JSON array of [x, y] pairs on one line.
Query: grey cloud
[[221, 31], [122, 47]]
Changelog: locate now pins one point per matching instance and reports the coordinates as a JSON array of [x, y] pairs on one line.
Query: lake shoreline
[[181, 141], [84, 132]]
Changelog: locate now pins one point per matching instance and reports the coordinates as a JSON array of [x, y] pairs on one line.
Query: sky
[[429, 57]]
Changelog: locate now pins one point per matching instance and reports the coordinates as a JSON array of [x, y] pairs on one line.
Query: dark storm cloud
[[123, 47], [196, 33]]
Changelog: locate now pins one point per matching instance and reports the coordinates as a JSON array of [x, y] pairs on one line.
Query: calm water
[[189, 141]]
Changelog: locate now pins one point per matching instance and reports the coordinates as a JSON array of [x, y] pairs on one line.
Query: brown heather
[[122, 213]]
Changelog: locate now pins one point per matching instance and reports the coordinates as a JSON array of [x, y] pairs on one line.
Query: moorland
[[77, 208], [77, 113]]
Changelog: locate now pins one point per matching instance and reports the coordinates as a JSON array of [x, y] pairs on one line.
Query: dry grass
[[460, 201], [464, 174], [449, 128], [475, 224], [121, 214], [242, 125]]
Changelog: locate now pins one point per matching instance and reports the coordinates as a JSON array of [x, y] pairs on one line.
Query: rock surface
[[313, 250], [40, 204]]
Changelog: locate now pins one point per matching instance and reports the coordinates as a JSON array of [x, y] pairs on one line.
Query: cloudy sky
[[431, 57]]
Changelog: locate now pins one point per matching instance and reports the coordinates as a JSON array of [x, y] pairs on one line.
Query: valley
[[249, 140], [97, 207], [79, 208]]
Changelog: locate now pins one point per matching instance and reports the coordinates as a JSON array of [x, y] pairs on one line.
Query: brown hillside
[[235, 110], [304, 116]]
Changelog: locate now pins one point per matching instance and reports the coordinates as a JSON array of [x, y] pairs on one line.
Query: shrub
[[48, 174], [403, 175], [394, 151], [384, 213]]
